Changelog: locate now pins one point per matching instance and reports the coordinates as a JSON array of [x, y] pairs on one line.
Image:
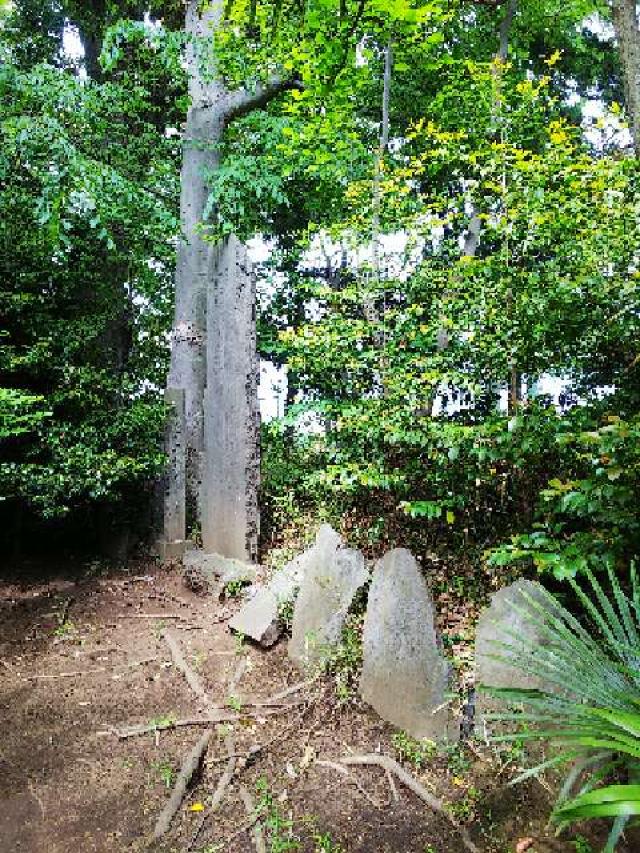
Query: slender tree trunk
[[627, 28], [471, 239], [92, 46], [377, 177], [369, 303]]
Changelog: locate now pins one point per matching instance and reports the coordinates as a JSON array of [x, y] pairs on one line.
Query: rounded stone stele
[[404, 674]]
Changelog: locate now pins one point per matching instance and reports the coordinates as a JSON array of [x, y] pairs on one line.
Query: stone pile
[[405, 675], [210, 573]]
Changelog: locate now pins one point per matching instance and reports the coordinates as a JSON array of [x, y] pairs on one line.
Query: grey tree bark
[[627, 28], [217, 295]]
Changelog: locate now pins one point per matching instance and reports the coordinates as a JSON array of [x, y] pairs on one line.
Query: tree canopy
[[452, 279]]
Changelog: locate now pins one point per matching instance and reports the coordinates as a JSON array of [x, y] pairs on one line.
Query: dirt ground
[[80, 661]]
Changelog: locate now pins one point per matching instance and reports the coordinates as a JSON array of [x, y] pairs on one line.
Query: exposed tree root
[[223, 783], [344, 771], [216, 715], [250, 808], [94, 671], [192, 677], [189, 768], [390, 766]]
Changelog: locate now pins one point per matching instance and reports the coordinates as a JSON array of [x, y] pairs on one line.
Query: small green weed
[[160, 723], [64, 630], [417, 752], [582, 845], [197, 659], [345, 661], [234, 703], [279, 830], [159, 628], [325, 844], [464, 809], [166, 771], [285, 613], [233, 589], [457, 758]]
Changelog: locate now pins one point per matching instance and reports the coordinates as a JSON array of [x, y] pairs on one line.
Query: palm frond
[[588, 704]]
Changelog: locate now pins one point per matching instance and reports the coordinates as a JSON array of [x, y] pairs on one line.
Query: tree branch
[[243, 101]]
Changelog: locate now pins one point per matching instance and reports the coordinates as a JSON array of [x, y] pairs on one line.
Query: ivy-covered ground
[[80, 664]]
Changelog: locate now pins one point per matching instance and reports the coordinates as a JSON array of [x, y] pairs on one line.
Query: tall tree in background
[[625, 22], [85, 289]]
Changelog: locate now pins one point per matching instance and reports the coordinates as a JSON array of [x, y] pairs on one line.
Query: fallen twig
[[250, 808], [240, 670], [81, 672], [192, 677], [388, 764], [244, 827], [392, 785], [220, 715], [294, 688], [146, 728], [223, 783], [150, 616], [189, 767]]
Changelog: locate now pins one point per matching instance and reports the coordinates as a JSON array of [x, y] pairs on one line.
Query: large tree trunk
[[194, 269], [213, 356], [625, 22], [230, 518]]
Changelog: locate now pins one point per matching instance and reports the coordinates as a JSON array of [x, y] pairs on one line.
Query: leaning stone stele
[[259, 619], [333, 577], [405, 676]]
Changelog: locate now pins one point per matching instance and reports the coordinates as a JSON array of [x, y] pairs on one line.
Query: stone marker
[[173, 542], [505, 622], [210, 573], [259, 618], [328, 588], [404, 674], [231, 467]]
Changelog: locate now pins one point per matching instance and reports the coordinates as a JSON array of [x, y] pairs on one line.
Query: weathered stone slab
[[231, 469], [175, 473], [259, 618], [326, 593], [507, 620], [404, 674], [212, 572]]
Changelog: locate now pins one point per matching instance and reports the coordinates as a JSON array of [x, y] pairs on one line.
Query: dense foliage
[[87, 220], [424, 296]]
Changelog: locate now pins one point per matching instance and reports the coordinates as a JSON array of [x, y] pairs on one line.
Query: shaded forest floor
[[78, 664]]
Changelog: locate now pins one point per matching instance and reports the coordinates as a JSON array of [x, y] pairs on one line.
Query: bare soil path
[[80, 660]]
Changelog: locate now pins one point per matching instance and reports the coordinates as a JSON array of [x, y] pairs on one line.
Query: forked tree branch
[[242, 101]]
